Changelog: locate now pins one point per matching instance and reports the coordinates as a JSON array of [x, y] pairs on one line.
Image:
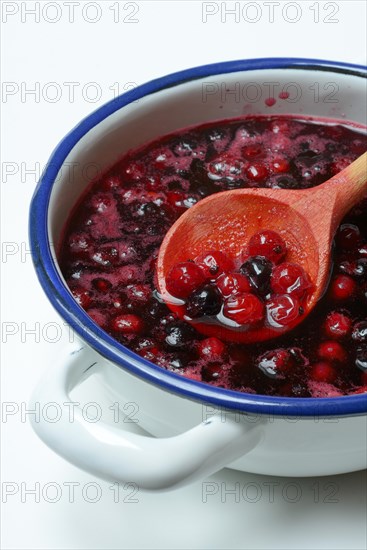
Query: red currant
[[280, 165], [257, 172], [213, 263], [233, 283], [184, 278], [342, 287], [337, 325], [127, 323], [275, 363], [290, 278], [268, 244], [244, 309], [282, 310], [211, 349], [332, 351], [323, 372], [103, 285], [138, 294]]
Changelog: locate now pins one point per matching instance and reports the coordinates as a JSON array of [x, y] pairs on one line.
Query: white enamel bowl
[[198, 428]]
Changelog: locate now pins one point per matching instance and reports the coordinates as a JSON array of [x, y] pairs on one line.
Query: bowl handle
[[117, 455]]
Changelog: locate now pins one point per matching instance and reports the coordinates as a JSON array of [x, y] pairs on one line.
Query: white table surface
[[100, 58]]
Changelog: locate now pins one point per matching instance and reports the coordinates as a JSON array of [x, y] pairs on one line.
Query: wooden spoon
[[306, 219]]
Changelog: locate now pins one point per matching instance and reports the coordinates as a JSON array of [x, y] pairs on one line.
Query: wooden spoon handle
[[327, 204], [349, 186]]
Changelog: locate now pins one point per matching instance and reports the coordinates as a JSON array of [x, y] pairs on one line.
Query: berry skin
[[106, 256], [361, 359], [356, 269], [179, 334], [337, 325], [145, 343], [342, 288], [213, 263], [323, 372], [268, 244], [275, 363], [127, 323], [232, 283], [291, 279], [360, 270], [244, 309], [258, 271], [280, 165], [348, 237], [332, 351], [138, 294], [257, 172], [183, 279], [226, 165], [359, 333], [176, 200], [282, 310], [206, 300], [211, 349]]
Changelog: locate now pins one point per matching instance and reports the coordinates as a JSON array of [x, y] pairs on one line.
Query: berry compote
[[261, 292], [111, 242]]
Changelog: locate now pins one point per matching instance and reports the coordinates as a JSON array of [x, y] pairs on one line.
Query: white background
[[113, 54]]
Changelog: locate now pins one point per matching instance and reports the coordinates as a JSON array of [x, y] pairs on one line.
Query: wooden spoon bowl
[[305, 219]]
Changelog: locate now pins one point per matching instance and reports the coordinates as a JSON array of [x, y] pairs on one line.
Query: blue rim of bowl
[[108, 347]]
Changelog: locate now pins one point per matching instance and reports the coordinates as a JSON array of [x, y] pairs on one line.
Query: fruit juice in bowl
[[181, 378]]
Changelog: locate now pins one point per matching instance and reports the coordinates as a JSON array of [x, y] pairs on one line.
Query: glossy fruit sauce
[[257, 294], [112, 239]]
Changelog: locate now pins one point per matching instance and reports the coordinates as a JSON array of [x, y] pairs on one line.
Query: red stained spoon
[[306, 219]]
